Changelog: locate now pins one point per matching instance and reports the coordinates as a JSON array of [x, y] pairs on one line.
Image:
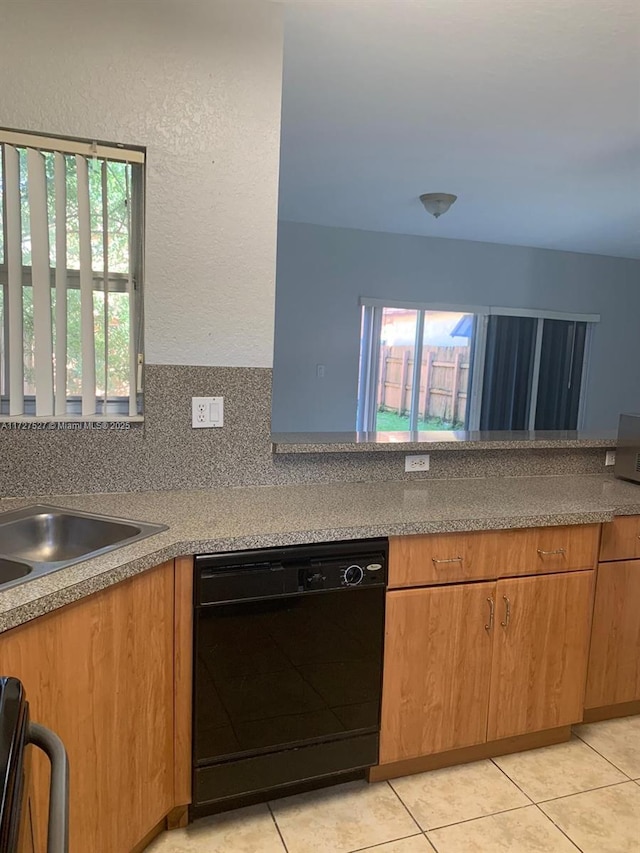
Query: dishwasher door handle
[[52, 746]]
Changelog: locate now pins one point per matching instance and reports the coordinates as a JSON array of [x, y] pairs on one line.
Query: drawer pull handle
[[507, 612], [492, 608], [555, 553], [450, 560]]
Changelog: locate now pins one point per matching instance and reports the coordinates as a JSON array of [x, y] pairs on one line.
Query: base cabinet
[[100, 674], [471, 663], [437, 669], [614, 659]]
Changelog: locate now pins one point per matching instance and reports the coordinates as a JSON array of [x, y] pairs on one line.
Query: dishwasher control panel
[[274, 572]]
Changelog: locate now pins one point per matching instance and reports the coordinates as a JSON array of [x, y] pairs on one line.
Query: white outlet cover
[[207, 412], [610, 457], [413, 464]]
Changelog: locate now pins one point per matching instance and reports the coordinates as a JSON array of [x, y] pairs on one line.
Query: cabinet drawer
[[457, 557], [621, 539]]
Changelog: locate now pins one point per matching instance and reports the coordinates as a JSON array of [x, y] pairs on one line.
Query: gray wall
[[322, 272]]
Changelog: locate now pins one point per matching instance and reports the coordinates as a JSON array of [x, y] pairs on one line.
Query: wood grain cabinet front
[[458, 557], [621, 539], [614, 658], [437, 668], [470, 663], [540, 653], [100, 674]]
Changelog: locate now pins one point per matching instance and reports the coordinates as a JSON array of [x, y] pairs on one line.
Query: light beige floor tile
[[342, 819], [617, 740], [415, 844], [602, 821], [557, 771], [521, 831], [441, 797], [249, 830]]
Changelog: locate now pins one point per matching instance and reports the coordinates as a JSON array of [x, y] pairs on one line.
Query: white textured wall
[[199, 83]]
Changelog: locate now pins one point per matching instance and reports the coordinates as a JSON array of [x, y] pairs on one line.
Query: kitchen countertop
[[229, 519], [461, 440]]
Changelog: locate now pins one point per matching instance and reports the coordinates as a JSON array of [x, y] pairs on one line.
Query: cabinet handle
[[507, 612], [492, 608], [555, 553], [450, 560]]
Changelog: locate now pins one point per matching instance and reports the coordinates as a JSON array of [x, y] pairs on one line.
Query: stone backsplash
[[166, 453]]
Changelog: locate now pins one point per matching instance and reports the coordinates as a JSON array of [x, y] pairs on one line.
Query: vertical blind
[[70, 275]]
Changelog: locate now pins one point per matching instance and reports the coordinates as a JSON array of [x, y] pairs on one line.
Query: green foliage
[[118, 178]]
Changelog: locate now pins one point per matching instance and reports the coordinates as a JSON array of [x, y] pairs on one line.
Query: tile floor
[[578, 796]]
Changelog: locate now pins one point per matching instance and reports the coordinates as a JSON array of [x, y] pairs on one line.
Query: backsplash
[[168, 454]]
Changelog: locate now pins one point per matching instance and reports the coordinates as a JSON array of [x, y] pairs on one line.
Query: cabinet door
[[99, 673], [540, 653], [437, 670], [614, 658]]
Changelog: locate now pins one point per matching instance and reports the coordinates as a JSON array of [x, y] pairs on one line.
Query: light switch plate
[[207, 412]]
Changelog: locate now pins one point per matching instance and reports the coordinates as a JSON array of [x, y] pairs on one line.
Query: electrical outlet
[[416, 463], [207, 412], [610, 457]]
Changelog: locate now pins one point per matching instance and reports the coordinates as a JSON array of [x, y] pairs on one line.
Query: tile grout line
[[430, 842], [273, 818], [404, 805], [608, 760], [586, 791], [506, 775], [579, 793], [383, 843], [559, 828], [479, 817]]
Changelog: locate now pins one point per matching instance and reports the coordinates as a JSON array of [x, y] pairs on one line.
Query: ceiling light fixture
[[437, 203]]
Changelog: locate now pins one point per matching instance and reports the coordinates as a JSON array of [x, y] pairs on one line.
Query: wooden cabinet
[[470, 663], [454, 676], [100, 673], [614, 660], [456, 557], [541, 646], [437, 670], [621, 539]]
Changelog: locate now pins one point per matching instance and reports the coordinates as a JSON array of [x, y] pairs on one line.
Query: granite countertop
[[229, 519], [462, 440]]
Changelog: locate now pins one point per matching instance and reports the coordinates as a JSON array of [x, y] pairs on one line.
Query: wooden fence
[[444, 381]]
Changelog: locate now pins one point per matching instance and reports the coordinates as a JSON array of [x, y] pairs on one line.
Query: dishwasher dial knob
[[353, 575]]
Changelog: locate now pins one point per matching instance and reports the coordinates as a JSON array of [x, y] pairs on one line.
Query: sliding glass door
[[415, 369], [424, 368]]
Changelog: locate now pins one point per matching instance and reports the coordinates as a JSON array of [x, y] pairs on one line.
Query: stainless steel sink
[[41, 539], [12, 571]]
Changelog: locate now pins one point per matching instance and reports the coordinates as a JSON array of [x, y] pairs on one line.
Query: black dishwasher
[[287, 667]]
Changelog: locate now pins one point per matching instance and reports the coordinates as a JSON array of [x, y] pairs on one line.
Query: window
[[71, 260], [441, 368]]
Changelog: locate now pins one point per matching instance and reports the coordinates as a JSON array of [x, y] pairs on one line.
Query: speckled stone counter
[[381, 442], [235, 518]]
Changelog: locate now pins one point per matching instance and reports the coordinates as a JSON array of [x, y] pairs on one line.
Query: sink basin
[[51, 536], [41, 539], [12, 571]]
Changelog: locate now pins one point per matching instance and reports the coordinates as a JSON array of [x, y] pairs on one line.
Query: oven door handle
[[52, 746]]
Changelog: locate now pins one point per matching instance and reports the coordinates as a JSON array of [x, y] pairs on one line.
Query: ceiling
[[529, 111]]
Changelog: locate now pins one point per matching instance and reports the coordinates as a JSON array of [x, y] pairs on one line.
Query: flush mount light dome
[[437, 203]]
